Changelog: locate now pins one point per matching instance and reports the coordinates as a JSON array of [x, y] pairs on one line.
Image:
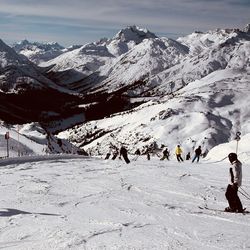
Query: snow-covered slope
[[91, 203], [31, 139], [206, 112]]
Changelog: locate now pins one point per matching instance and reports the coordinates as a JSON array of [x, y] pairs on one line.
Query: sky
[[81, 21]]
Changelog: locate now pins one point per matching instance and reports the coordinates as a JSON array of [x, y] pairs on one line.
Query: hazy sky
[[80, 21]]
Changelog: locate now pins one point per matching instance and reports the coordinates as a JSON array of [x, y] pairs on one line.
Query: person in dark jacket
[[165, 153], [235, 182], [107, 156], [138, 152], [124, 154], [197, 154], [115, 152], [147, 153], [188, 156]]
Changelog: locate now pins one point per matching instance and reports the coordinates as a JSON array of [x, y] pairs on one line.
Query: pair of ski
[[220, 210]]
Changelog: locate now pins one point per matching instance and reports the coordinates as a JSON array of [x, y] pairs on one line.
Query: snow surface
[[91, 203]]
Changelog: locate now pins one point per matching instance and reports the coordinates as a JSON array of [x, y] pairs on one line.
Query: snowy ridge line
[[36, 158]]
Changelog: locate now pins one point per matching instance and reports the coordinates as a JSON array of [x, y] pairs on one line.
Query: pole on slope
[[237, 138], [18, 150], [244, 193], [7, 137]]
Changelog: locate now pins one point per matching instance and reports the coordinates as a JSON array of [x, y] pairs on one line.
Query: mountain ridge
[[167, 79]]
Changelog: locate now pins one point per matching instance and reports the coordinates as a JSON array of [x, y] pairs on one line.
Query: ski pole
[[216, 161], [244, 195], [135, 158], [245, 192]]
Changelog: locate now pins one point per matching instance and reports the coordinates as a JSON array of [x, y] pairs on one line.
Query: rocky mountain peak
[[27, 45], [247, 28], [134, 33], [9, 57]]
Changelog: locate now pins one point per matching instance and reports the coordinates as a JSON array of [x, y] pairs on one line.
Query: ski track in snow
[[90, 203]]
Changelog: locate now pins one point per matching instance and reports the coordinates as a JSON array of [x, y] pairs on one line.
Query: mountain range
[[135, 89]]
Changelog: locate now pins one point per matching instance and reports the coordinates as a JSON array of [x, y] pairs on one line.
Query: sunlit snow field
[[91, 203]]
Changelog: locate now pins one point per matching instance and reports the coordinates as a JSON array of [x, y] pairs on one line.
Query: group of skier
[[235, 171], [123, 153], [178, 153]]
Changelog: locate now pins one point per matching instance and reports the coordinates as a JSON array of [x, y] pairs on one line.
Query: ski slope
[[92, 203], [32, 140], [20, 142]]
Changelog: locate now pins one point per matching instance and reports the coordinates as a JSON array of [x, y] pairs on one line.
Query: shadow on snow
[[12, 212]]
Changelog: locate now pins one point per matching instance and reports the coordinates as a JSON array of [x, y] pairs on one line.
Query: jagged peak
[[3, 44], [5, 48], [247, 28], [45, 45], [8, 56], [23, 42], [134, 33]]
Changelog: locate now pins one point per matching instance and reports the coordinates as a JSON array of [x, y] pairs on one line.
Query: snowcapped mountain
[[149, 89], [206, 112], [135, 69], [27, 94], [194, 90], [78, 64], [38, 52], [139, 62], [17, 71]]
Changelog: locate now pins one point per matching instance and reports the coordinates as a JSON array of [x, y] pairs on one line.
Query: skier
[[165, 153], [124, 154], [188, 156], [197, 154], [178, 152], [138, 152], [148, 156], [232, 189], [115, 152], [147, 152], [107, 156]]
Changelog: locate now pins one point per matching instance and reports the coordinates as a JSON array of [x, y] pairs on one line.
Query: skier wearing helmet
[[232, 189]]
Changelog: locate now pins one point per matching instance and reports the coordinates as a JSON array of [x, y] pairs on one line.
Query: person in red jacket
[[232, 189]]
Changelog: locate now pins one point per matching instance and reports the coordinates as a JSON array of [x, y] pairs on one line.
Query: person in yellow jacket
[[178, 152]]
